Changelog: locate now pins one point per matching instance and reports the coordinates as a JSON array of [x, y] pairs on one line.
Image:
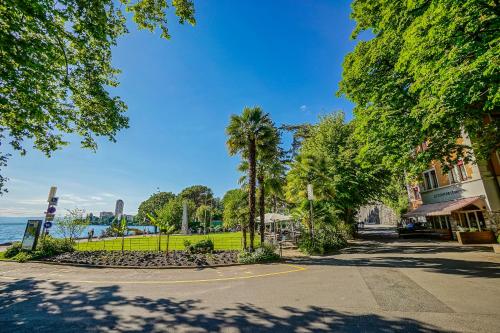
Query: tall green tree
[[236, 211], [199, 194], [166, 219], [328, 159], [245, 132], [428, 71], [153, 203], [204, 216], [56, 69]]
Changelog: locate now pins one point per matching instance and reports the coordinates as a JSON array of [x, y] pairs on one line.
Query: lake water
[[12, 228]]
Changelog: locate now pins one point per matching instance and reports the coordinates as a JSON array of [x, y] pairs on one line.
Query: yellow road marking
[[295, 269]]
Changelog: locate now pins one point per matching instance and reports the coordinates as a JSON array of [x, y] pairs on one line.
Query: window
[[452, 175], [416, 193], [430, 179], [460, 170]]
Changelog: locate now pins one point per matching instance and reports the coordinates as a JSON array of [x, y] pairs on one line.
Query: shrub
[[327, 238], [265, 253], [202, 246], [22, 256], [498, 239], [49, 246], [13, 250]]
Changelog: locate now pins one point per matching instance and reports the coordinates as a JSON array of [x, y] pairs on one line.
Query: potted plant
[[474, 236]]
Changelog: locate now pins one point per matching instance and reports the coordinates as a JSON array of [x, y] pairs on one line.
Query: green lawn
[[222, 241]]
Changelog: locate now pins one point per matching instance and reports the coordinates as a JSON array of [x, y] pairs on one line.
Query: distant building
[[119, 208], [129, 218], [103, 215]]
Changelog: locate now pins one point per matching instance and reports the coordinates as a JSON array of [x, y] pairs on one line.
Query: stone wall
[[377, 214]]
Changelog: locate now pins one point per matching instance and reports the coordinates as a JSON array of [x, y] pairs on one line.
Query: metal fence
[[150, 243]]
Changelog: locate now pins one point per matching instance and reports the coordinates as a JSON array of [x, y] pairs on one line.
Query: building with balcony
[[465, 197]]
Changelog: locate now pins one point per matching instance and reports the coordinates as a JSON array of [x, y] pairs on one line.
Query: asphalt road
[[373, 286]]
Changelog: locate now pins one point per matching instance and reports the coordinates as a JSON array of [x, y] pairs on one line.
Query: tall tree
[[328, 160], [56, 68], [199, 194], [236, 211], [245, 132], [429, 70], [152, 204]]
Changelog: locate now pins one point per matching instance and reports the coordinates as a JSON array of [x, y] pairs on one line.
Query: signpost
[[310, 197], [51, 209], [31, 233]]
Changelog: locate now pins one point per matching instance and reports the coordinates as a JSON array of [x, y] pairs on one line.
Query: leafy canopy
[[328, 160], [56, 70], [153, 203], [429, 71]]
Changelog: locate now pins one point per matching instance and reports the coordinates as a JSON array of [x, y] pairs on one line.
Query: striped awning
[[442, 208]]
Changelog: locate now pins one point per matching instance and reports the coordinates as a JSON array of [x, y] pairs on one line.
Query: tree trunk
[[159, 241], [251, 194], [123, 242], [262, 207], [244, 229], [168, 239]]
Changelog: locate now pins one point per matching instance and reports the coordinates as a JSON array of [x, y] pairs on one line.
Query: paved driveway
[[373, 286]]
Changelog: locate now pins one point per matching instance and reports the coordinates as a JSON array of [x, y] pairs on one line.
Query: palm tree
[[245, 132]]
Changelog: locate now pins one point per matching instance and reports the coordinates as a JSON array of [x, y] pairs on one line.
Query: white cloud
[[303, 108]]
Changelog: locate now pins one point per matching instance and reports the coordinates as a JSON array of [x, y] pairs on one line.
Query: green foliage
[[13, 250], [23, 256], [72, 224], [327, 238], [198, 194], [56, 67], [204, 214], [46, 247], [248, 133], [498, 240], [235, 208], [202, 246], [153, 203], [49, 246], [429, 71], [265, 253], [328, 159]]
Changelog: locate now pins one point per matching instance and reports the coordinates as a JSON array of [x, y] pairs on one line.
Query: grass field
[[222, 241]]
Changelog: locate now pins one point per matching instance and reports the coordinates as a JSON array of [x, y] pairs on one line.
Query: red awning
[[442, 208]]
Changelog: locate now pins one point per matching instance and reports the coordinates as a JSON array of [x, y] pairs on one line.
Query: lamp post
[[310, 197]]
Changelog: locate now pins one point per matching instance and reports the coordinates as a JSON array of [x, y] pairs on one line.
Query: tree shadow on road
[[465, 268], [31, 305]]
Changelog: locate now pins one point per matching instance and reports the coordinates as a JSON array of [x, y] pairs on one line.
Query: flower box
[[475, 237]]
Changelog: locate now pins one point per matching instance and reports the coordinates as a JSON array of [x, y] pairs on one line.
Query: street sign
[[47, 225], [50, 217], [310, 194], [31, 234], [53, 201], [51, 210], [52, 193]]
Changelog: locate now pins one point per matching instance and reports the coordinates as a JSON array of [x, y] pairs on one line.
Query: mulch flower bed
[[146, 259]]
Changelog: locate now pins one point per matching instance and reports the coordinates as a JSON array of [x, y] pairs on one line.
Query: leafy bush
[[46, 247], [202, 246], [327, 238], [265, 253], [13, 250], [498, 239], [49, 246], [22, 256]]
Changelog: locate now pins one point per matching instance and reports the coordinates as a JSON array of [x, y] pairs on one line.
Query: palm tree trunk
[[262, 207], [251, 194], [244, 229]]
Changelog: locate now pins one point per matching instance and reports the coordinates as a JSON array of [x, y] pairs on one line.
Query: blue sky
[[284, 55]]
